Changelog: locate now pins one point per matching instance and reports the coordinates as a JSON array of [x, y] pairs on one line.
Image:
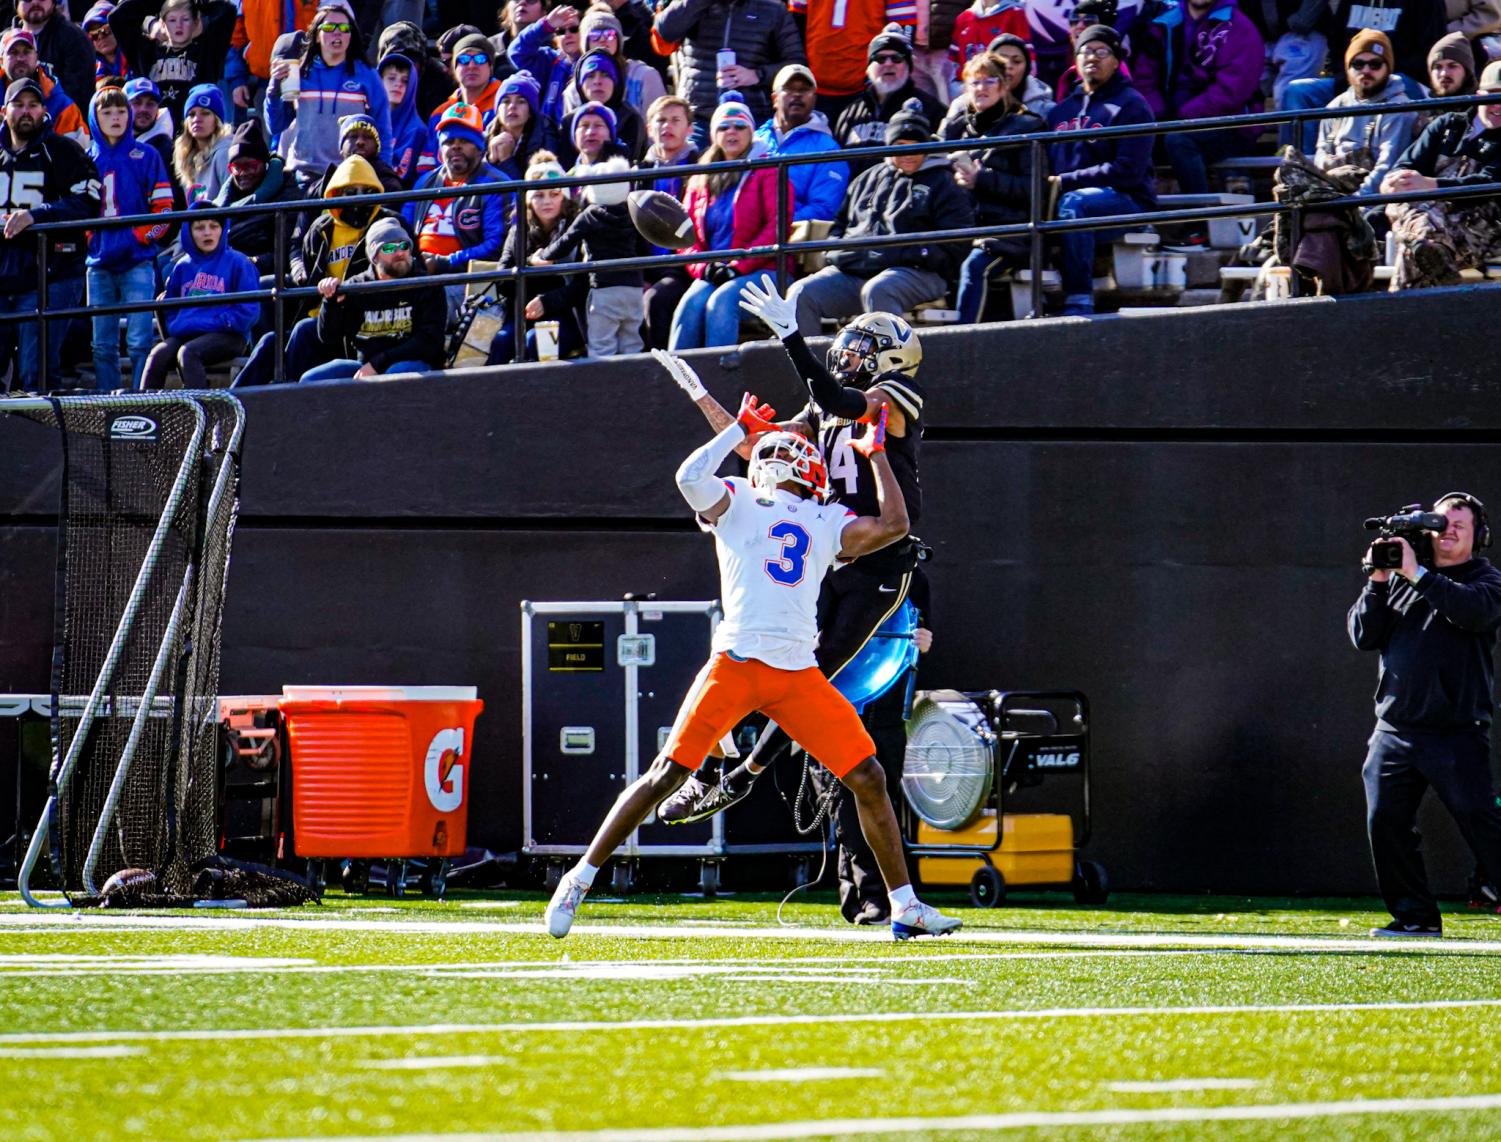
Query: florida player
[[872, 366], [775, 539]]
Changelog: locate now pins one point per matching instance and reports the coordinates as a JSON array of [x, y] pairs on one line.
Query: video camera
[[1411, 523]]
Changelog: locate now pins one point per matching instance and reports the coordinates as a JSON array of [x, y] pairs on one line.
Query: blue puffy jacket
[[817, 188]]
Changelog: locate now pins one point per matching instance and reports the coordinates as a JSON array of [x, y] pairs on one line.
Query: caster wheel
[[355, 877], [396, 878], [987, 888], [622, 878], [435, 879], [1091, 883], [708, 878], [553, 875]]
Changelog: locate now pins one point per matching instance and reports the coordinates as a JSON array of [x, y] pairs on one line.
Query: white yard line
[[573, 1027], [114, 1052], [243, 922], [1024, 1120]]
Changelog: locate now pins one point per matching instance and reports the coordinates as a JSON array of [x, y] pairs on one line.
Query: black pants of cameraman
[[1399, 770]]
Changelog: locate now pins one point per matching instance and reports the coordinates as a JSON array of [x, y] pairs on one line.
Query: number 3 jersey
[[773, 554]]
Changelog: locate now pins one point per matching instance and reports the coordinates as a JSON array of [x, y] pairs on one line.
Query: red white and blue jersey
[[773, 554]]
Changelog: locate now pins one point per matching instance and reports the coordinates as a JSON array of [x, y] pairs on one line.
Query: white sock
[[583, 872], [902, 898]]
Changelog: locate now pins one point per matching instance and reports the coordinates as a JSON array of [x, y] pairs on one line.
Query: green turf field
[[666, 1018]]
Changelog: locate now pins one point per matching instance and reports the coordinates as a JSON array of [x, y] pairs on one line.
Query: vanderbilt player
[[872, 366]]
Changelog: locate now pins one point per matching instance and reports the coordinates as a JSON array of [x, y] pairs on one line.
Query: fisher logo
[[443, 773], [1058, 759], [132, 426]]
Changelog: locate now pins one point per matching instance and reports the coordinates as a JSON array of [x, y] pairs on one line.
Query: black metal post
[[518, 293], [43, 341], [1294, 238], [1039, 189], [784, 227], [279, 318]]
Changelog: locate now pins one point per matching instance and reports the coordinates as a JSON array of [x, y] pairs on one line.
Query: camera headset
[[1477, 509]]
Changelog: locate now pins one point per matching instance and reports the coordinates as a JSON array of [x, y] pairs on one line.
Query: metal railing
[[1036, 229]]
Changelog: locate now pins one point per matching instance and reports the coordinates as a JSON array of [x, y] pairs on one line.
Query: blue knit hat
[[205, 95], [603, 112], [524, 84], [598, 60]]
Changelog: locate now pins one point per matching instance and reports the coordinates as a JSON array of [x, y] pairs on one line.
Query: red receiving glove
[[873, 441], [756, 417]]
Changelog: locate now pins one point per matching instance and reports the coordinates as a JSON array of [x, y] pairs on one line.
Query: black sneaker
[[698, 801], [1399, 930]]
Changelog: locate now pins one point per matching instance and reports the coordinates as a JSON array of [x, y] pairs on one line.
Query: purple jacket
[[1218, 73]]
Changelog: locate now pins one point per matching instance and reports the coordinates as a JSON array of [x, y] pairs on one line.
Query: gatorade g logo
[[441, 772]]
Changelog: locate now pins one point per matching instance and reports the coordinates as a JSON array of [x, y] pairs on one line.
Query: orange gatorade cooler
[[380, 771]]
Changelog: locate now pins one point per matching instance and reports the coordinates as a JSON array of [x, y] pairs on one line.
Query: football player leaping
[[775, 539], [872, 366]]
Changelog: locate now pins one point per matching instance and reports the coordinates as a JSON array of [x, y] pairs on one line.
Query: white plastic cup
[[723, 59], [547, 340], [291, 84]]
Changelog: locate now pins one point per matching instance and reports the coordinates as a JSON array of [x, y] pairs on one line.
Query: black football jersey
[[851, 481]]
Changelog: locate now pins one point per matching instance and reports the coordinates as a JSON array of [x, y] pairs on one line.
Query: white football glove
[[681, 372], [779, 314]]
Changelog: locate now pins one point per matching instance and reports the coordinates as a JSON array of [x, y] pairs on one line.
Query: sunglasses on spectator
[[100, 32], [1369, 63], [393, 247], [889, 57], [353, 191], [471, 57], [598, 34], [340, 29], [983, 81], [246, 166], [1095, 53]]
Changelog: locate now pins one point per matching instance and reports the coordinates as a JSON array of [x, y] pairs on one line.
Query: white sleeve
[[696, 475]]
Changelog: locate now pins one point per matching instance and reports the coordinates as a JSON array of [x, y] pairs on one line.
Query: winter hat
[[598, 18], [249, 143], [476, 42], [205, 95], [1007, 40], [203, 204], [135, 88], [1454, 47], [1096, 11], [597, 60], [1372, 41], [542, 169], [891, 38], [351, 124], [404, 37], [731, 109], [525, 85], [384, 230], [12, 36], [602, 111], [463, 121], [19, 87], [609, 193], [448, 41], [909, 124], [1101, 34], [97, 15]]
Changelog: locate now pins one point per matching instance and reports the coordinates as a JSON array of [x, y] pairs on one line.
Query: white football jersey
[[773, 554]]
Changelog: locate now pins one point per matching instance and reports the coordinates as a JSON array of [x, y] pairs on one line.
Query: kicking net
[[149, 495]]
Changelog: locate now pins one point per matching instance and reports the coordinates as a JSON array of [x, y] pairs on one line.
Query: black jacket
[[761, 33], [1449, 136], [1003, 186], [1436, 640], [863, 122], [254, 235], [391, 325], [69, 50], [54, 178], [883, 200], [311, 256], [605, 233], [176, 72]]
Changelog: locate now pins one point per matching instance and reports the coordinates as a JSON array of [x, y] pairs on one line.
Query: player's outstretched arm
[[715, 413], [697, 475], [871, 533]]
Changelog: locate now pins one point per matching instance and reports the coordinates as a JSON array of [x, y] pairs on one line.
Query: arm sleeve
[[696, 477], [531, 50], [830, 396], [677, 21], [1371, 618], [487, 248], [1392, 139], [826, 191], [242, 315], [1469, 606], [218, 31], [73, 186]]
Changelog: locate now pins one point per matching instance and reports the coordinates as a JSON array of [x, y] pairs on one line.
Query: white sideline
[[42, 921], [577, 1026], [1024, 1120]]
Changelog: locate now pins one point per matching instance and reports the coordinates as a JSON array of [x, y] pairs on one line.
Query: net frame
[[135, 774]]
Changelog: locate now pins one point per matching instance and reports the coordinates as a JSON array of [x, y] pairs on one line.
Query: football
[[661, 219]]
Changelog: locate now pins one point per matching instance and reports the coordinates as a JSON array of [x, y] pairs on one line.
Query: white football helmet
[[778, 457]]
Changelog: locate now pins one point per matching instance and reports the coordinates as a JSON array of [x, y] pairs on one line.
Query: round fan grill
[[950, 759]]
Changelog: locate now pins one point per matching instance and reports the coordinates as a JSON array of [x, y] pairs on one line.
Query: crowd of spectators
[[146, 106]]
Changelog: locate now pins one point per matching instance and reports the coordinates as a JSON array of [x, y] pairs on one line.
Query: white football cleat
[[921, 919], [564, 905]]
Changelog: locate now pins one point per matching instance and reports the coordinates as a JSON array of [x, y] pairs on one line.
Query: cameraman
[[1435, 627]]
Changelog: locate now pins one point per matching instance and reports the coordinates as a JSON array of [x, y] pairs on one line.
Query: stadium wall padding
[[1161, 510]]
